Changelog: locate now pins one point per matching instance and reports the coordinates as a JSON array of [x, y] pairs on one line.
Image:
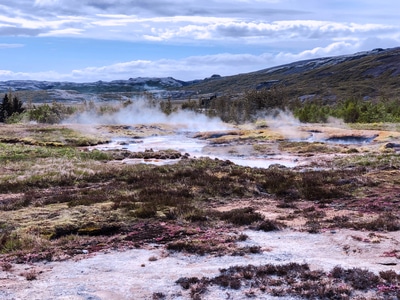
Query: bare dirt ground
[[141, 273]]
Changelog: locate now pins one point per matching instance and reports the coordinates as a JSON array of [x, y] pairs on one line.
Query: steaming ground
[[178, 130], [179, 136], [185, 143], [139, 273]]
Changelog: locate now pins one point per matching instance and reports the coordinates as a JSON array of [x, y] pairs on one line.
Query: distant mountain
[[367, 74], [131, 85], [46, 91]]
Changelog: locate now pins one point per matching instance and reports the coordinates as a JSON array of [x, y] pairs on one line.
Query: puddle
[[351, 140], [320, 137], [178, 142], [156, 162], [185, 143]]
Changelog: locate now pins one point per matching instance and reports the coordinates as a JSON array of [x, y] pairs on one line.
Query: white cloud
[[186, 29], [63, 32], [46, 76], [175, 21], [23, 22], [193, 67], [45, 2], [122, 20], [7, 46], [330, 50], [220, 29]]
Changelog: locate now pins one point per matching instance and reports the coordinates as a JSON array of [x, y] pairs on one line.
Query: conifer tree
[[10, 105]]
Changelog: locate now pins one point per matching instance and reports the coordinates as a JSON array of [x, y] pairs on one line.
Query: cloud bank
[[192, 67]]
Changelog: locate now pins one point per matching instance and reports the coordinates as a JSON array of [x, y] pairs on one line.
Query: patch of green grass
[[11, 240], [47, 135], [20, 152], [370, 161], [375, 126], [307, 147]]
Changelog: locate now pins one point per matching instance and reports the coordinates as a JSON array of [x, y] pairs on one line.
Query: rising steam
[[285, 123], [141, 111]]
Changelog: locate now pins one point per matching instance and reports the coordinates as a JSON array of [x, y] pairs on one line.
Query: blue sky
[[90, 40]]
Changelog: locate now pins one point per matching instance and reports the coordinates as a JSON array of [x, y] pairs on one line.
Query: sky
[[91, 40]]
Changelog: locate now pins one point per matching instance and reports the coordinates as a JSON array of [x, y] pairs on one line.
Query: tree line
[[238, 109], [257, 103], [351, 110]]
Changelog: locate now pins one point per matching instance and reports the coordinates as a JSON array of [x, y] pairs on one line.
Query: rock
[[392, 145]]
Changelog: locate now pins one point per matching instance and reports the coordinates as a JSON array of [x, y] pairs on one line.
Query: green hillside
[[371, 74]]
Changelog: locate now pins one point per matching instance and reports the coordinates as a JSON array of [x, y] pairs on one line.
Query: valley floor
[[85, 222]]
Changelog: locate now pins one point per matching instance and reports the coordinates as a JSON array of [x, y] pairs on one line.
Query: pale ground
[[138, 273]]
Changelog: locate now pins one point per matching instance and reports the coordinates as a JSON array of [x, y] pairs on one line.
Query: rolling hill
[[371, 74], [368, 74]]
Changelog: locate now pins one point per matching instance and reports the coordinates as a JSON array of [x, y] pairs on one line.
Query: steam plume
[[142, 112]]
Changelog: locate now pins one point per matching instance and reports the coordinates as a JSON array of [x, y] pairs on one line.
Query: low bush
[[384, 222], [146, 210], [186, 246], [360, 279], [159, 296], [280, 182], [242, 216], [298, 280], [390, 277], [31, 275], [270, 225]]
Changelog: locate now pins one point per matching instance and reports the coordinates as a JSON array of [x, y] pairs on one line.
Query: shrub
[[146, 210], [227, 281], [361, 279], [159, 296], [242, 216], [322, 185], [50, 114], [390, 276], [384, 222], [278, 181], [270, 225], [6, 266], [31, 275], [186, 282], [10, 241], [298, 280]]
